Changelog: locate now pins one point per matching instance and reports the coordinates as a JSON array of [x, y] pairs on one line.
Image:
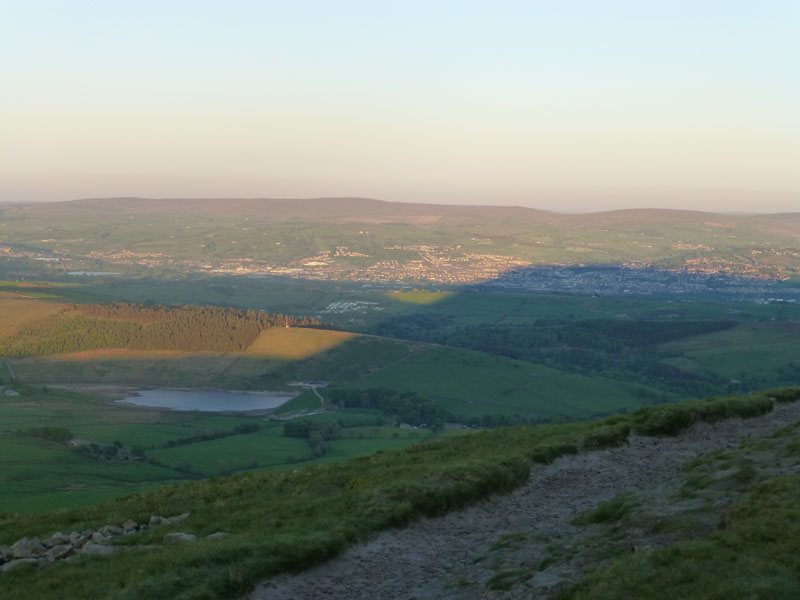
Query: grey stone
[[111, 530], [6, 552], [178, 518], [77, 539], [217, 536], [179, 538], [99, 538], [129, 526], [26, 548], [156, 520], [62, 551], [547, 579], [57, 539], [100, 549], [18, 563]]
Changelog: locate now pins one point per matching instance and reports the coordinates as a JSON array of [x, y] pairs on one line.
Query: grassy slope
[[16, 310], [752, 348], [37, 475], [475, 384], [293, 343], [288, 521]]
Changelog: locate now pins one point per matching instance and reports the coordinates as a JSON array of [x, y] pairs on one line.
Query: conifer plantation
[[140, 327]]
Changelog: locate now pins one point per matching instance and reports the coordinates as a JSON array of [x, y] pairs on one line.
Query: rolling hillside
[[132, 344]]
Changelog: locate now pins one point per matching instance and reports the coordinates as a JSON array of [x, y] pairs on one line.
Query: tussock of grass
[[785, 394], [609, 436], [605, 512], [671, 419]]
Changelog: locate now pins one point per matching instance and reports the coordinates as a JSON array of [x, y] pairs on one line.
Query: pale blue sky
[[558, 104]]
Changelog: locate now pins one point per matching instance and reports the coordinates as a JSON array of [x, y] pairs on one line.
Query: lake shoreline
[[123, 394], [213, 401]]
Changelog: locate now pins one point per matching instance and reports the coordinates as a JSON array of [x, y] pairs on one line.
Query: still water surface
[[208, 400]]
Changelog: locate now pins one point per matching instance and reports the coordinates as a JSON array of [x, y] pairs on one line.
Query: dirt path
[[444, 557]]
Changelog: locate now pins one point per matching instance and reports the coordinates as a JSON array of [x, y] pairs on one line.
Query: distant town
[[720, 278]]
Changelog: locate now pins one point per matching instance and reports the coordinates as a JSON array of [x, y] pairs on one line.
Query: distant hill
[[273, 210], [349, 209], [365, 239]]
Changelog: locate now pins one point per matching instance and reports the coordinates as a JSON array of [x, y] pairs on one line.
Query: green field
[[37, 474], [295, 343], [753, 354], [474, 384]]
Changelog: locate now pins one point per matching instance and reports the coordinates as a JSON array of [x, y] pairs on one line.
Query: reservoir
[[208, 400]]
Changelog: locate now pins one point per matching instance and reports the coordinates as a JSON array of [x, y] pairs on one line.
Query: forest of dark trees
[[404, 407], [139, 327]]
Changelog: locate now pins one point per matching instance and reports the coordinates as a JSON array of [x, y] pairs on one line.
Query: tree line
[[405, 407]]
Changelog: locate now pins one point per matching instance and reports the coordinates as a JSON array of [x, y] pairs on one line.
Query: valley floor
[[524, 544]]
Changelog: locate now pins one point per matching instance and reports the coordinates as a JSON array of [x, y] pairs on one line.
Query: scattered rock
[[129, 526], [61, 551], [18, 563], [111, 530], [99, 538], [178, 518], [57, 539], [60, 546], [26, 548], [179, 538], [100, 549], [217, 536]]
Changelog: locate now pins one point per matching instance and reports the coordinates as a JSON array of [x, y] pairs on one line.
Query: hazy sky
[[560, 104]]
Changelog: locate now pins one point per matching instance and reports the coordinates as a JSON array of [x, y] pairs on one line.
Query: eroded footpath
[[524, 544]]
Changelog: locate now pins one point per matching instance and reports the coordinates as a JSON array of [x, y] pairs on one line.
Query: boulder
[[129, 526], [26, 548], [217, 536], [99, 538], [57, 539], [111, 530], [179, 538], [62, 551], [78, 539], [178, 518], [156, 520], [6, 553], [100, 549], [18, 563]]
